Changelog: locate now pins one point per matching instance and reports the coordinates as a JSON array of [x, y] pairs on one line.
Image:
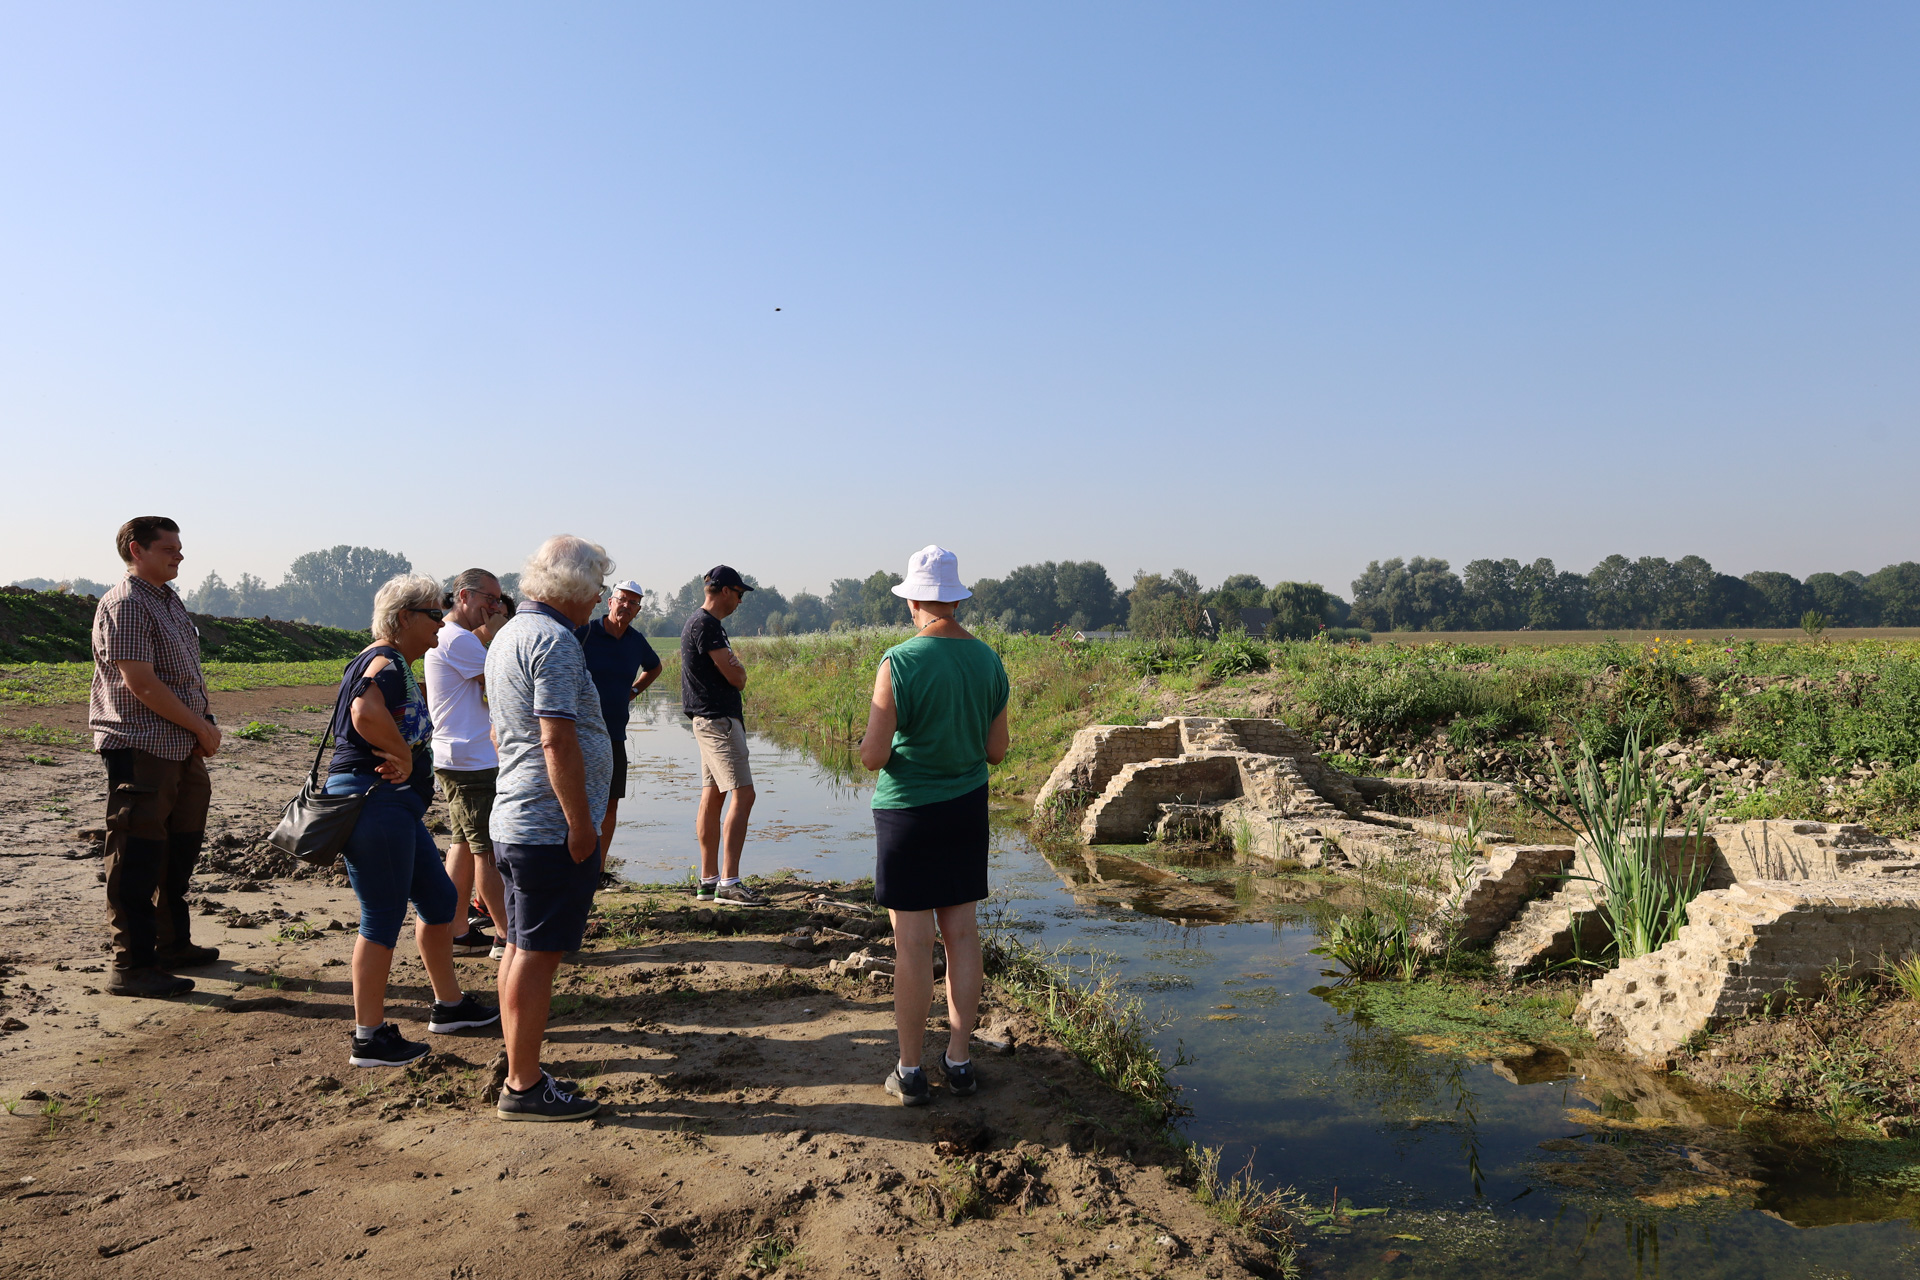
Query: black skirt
[[934, 855]]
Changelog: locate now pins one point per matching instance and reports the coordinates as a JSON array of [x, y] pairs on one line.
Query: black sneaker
[[704, 893], [911, 1089], [386, 1048], [738, 895], [464, 1016], [475, 941], [147, 981], [961, 1082], [546, 1102]]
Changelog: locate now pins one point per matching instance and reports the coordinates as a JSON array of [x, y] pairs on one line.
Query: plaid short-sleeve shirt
[[139, 622]]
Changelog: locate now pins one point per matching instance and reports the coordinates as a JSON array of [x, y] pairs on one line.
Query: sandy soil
[[744, 1134]]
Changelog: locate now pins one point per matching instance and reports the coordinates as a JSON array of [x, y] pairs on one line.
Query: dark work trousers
[[156, 819]]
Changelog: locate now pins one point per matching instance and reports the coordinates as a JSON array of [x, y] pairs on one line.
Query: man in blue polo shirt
[[555, 767], [622, 665]]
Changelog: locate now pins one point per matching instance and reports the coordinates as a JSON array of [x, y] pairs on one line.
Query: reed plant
[[1620, 809]]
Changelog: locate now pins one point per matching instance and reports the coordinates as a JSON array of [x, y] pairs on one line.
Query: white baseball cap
[[933, 573], [630, 585]]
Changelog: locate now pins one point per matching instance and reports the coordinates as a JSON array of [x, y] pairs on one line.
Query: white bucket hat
[[933, 573]]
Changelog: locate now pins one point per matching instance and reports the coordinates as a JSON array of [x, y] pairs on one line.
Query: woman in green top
[[939, 718]]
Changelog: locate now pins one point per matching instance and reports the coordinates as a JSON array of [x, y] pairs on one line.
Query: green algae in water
[[1451, 1016], [1894, 1164]]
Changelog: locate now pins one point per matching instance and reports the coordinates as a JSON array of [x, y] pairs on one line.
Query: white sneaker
[[499, 951]]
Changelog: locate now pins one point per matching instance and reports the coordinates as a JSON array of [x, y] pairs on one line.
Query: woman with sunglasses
[[383, 738]]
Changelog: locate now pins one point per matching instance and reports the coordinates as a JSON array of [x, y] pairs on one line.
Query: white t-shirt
[[461, 739]]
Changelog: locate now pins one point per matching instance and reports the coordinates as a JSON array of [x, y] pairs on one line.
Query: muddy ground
[[744, 1134]]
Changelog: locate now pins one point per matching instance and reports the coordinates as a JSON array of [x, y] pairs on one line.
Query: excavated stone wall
[[1496, 888], [1100, 752], [1740, 947]]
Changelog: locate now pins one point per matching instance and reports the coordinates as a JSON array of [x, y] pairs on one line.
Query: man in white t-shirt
[[464, 759]]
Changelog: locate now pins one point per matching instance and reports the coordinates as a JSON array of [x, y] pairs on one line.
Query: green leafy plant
[[771, 1252], [1620, 808], [54, 1109], [256, 731], [1369, 944], [1813, 622]]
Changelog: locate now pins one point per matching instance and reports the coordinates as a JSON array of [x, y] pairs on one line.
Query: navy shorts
[[548, 894]]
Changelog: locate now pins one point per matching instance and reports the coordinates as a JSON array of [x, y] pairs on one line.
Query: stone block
[[1740, 947], [1495, 889], [1101, 751], [1786, 850], [1129, 807], [1557, 927]]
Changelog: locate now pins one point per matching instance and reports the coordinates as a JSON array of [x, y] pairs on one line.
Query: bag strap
[[327, 736]]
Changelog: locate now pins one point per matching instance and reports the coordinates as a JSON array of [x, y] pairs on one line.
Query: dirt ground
[[744, 1134]]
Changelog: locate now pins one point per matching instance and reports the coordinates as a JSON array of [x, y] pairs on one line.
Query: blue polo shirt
[[535, 669], [614, 665]]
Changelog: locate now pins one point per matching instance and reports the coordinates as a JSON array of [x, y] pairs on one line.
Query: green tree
[[1894, 595], [1779, 599], [1839, 597], [1162, 608], [337, 586], [1420, 594], [1300, 610]]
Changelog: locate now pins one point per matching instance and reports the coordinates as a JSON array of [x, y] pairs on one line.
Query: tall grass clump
[[1620, 808], [1239, 1201], [1091, 1018]]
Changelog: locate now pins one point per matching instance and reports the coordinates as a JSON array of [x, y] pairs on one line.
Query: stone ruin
[[1783, 901]]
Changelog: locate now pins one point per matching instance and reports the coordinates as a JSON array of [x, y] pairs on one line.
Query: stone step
[[1551, 928]]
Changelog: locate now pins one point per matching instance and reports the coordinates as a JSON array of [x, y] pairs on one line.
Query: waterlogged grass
[[1465, 1018], [1088, 1015], [49, 683]]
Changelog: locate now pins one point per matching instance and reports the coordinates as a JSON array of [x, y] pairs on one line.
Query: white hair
[[397, 594], [564, 570]]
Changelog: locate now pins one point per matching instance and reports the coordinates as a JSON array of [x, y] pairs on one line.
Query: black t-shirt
[[704, 691]]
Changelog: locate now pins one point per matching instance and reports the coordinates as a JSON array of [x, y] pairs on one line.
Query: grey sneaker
[[705, 892], [911, 1089], [546, 1101], [739, 895]]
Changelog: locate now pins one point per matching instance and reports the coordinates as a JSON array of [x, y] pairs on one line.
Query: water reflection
[[1529, 1164]]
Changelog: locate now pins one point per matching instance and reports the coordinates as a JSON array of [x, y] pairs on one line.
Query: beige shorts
[[723, 753]]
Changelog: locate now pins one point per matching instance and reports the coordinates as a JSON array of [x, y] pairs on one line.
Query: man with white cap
[[622, 665]]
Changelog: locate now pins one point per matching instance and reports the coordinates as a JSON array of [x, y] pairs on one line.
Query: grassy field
[[1817, 707], [44, 683], [1786, 634]]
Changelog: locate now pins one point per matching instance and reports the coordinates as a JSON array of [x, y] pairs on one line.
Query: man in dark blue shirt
[[622, 665]]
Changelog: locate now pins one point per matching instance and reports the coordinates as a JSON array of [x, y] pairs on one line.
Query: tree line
[[1649, 593], [336, 587]]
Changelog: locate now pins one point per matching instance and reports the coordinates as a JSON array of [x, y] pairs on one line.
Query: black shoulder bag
[[315, 826]]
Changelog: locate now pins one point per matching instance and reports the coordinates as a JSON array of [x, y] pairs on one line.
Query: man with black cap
[[711, 679]]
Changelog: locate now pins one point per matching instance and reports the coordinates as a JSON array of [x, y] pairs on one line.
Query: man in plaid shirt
[[152, 727]]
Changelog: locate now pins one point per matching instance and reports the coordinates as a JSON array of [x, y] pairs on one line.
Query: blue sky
[[1267, 288]]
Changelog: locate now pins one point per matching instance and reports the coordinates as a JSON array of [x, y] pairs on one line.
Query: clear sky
[[1275, 288]]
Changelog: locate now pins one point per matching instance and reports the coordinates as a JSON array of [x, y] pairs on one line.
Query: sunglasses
[[435, 614]]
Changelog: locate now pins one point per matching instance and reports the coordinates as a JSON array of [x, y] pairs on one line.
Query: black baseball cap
[[722, 575]]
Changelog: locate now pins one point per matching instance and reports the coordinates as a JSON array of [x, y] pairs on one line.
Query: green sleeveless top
[[948, 691]]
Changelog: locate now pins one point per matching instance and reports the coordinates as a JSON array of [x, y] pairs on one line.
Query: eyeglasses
[[487, 595], [435, 614]]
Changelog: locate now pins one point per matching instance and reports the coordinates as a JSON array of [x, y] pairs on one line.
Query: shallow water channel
[[1275, 1073]]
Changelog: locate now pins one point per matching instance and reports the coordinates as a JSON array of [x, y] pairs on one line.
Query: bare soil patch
[[745, 1132]]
